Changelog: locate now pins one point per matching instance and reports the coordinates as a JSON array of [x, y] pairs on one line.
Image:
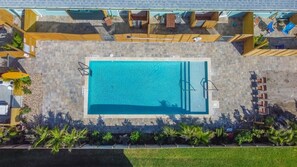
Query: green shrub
[[25, 110], [244, 137], [135, 137], [107, 138], [159, 138], [258, 133], [195, 135], [7, 135], [57, 138], [26, 81], [26, 90], [94, 138], [17, 42], [261, 40], [17, 83], [269, 121], [282, 137], [220, 136], [170, 134]]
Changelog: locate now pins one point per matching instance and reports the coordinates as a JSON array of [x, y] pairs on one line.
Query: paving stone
[[56, 62]]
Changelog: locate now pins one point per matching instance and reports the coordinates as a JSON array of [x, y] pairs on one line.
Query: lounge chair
[[270, 27], [3, 108], [263, 104], [263, 111], [288, 28], [261, 80], [263, 96], [262, 87]]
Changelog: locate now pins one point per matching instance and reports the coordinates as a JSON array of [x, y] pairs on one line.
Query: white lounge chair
[[3, 108]]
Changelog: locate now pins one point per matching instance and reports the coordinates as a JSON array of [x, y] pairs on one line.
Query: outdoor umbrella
[[14, 75]]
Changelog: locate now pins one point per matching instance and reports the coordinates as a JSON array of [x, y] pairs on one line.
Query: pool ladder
[[83, 69], [191, 86], [204, 84]]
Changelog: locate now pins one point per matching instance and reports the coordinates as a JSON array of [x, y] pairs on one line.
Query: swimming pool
[[147, 87]]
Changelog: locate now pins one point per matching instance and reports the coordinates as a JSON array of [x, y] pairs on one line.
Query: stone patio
[[56, 66]]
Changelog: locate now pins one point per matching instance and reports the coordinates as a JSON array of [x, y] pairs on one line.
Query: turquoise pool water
[[147, 87]]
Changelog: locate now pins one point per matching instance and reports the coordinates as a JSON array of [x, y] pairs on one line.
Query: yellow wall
[[30, 20], [32, 37], [165, 38], [63, 36], [5, 16], [248, 44], [248, 23], [193, 20]]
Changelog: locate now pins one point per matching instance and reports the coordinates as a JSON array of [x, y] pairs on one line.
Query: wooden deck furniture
[[263, 111], [262, 88], [263, 104], [204, 20], [140, 18], [261, 80], [263, 96], [170, 20]]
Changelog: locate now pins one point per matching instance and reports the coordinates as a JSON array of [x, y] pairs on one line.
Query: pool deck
[[56, 64]]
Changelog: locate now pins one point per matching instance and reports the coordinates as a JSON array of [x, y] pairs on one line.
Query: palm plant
[[41, 136], [107, 138], [220, 135], [25, 110], [170, 134], [73, 138], [94, 137], [257, 134], [56, 140], [7, 134], [195, 134], [187, 132], [269, 121], [244, 137], [135, 137], [282, 137]]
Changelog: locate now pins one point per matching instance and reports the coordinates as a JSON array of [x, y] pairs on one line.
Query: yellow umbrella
[[14, 75]]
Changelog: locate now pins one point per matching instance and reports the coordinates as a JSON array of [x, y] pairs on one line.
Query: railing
[[83, 69], [204, 84], [193, 89]]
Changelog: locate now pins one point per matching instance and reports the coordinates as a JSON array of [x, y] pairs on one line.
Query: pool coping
[[86, 85]]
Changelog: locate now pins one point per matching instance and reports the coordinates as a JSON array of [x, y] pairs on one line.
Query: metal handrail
[[204, 84], [84, 69], [193, 89]]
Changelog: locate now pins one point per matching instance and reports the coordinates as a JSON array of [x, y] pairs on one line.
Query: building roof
[[240, 5]]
